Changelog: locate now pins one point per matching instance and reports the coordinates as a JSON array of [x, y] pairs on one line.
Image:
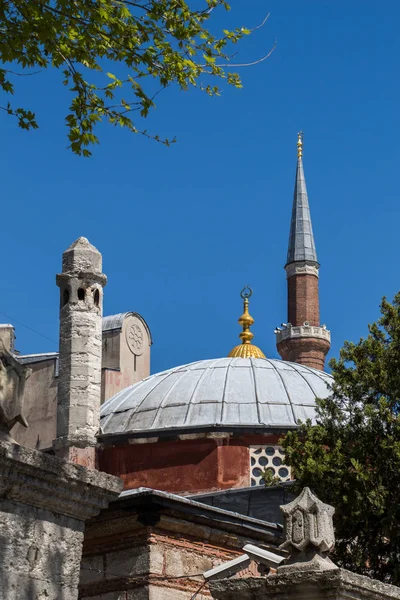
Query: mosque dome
[[227, 393], [217, 424]]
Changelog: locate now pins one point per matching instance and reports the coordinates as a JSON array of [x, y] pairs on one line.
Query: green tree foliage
[[351, 458], [269, 478], [157, 42]]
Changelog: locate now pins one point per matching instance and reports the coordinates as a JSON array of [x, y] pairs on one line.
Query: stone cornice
[[76, 440], [62, 278], [305, 585], [302, 268], [47, 482], [303, 331]]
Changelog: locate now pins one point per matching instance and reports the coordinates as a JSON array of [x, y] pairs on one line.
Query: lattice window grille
[[270, 458]]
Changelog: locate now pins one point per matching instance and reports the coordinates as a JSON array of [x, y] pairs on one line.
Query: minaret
[[79, 384], [302, 340]]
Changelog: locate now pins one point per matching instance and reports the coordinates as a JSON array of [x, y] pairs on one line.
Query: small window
[[65, 297], [81, 294], [96, 297]]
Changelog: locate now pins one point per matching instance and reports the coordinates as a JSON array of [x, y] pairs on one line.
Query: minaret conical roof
[[301, 239]]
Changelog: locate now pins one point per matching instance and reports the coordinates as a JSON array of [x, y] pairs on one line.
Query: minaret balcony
[[302, 331]]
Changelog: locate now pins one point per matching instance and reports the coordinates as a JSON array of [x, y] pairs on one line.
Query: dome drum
[[186, 465]]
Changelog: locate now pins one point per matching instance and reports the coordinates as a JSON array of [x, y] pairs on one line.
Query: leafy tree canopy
[[351, 458], [158, 42]]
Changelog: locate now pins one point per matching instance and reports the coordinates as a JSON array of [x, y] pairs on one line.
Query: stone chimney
[[7, 337], [303, 339], [79, 386]]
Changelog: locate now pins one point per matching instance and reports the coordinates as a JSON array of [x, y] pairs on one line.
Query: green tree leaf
[[153, 44]]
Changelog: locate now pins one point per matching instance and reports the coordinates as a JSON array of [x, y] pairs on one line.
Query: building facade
[[194, 446]]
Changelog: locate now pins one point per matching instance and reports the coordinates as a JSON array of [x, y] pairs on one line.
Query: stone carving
[[135, 339], [12, 383], [308, 529], [303, 331], [302, 268]]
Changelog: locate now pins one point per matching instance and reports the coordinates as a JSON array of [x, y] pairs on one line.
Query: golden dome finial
[[300, 137], [246, 348], [246, 320]]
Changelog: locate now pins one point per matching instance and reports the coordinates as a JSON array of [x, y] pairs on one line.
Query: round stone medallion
[[135, 338]]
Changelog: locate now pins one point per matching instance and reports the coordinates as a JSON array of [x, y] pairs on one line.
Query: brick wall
[[303, 300], [305, 351], [303, 306], [125, 560]]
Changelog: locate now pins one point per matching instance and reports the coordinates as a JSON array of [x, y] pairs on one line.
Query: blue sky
[[183, 229]]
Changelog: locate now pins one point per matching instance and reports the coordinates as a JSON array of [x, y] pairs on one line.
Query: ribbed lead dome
[[247, 392]]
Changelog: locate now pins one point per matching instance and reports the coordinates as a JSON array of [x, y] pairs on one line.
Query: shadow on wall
[[258, 502], [40, 553]]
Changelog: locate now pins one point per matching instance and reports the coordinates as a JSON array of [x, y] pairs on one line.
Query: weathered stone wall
[[150, 566], [125, 558], [80, 372], [136, 594], [7, 336], [126, 355], [40, 405], [120, 369], [335, 584], [44, 503], [111, 349], [40, 553]]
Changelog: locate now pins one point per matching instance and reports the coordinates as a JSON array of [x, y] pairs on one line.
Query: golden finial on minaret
[[246, 348], [300, 137]]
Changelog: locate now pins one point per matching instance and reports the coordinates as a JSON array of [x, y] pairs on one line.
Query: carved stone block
[[309, 530], [12, 382]]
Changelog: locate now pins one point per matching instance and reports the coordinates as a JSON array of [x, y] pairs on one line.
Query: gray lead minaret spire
[[301, 238], [303, 340]]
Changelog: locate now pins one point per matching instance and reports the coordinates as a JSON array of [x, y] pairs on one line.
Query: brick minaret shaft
[[302, 340], [79, 384]]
